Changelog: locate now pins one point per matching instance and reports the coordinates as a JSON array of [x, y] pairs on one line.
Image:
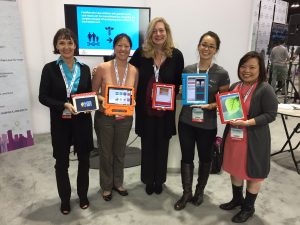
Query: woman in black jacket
[[60, 79]]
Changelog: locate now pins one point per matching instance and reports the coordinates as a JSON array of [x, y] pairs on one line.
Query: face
[[122, 49], [249, 71], [207, 48], [159, 34], [66, 48]]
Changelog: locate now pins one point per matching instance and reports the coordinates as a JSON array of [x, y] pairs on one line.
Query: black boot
[[247, 209], [237, 199], [203, 174], [187, 182]]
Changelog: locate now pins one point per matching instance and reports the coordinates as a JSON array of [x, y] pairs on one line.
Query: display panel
[[120, 96], [230, 106], [85, 102], [119, 100], [163, 96], [194, 88], [97, 26]]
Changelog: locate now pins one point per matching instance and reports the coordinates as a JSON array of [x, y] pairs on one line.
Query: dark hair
[[214, 36], [64, 33], [119, 37], [262, 69]]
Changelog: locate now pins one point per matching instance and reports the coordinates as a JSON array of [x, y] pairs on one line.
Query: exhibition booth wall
[[231, 20]]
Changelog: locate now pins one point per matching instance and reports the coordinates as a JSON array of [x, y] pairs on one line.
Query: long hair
[[262, 69], [148, 46]]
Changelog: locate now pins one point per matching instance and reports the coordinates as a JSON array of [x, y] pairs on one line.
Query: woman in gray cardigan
[[247, 143]]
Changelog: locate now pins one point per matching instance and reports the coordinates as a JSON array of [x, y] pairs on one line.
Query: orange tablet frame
[[112, 109]]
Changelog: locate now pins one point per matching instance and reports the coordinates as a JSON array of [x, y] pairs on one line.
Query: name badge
[[66, 114], [197, 115], [236, 133]]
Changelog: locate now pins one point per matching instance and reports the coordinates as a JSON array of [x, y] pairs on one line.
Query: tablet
[[231, 106], [85, 102], [194, 88], [119, 100], [163, 96]]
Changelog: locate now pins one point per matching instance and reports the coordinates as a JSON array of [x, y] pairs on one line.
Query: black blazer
[[53, 94]]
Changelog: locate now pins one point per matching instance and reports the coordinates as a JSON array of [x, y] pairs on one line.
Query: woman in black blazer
[[60, 79]]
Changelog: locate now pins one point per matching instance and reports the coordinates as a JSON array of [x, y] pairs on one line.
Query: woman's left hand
[[239, 123]]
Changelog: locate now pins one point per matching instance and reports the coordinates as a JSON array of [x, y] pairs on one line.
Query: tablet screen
[[120, 96]]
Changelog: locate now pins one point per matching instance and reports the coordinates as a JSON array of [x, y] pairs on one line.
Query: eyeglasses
[[209, 47]]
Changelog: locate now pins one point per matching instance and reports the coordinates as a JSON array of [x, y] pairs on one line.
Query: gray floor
[[28, 193]]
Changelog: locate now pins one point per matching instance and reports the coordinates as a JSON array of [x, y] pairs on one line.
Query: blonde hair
[[148, 46]]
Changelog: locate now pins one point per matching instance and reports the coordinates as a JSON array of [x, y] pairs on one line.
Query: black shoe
[[158, 188], [181, 203], [65, 208], [231, 205], [198, 197], [121, 192], [84, 203], [243, 215], [107, 197], [149, 189]]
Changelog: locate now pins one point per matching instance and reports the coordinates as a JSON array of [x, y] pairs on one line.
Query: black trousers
[[61, 151], [189, 136], [63, 181], [155, 147]]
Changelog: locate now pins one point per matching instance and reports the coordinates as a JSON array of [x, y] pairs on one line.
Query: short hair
[[214, 36], [65, 33], [119, 37], [262, 69], [148, 46]]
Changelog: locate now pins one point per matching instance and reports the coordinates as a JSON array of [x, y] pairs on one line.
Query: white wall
[[188, 19]]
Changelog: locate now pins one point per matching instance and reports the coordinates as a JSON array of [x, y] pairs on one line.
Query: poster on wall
[[15, 121]]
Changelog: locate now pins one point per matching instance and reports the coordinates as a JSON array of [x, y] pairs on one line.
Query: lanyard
[[198, 69], [117, 73], [247, 93], [156, 70], [68, 87]]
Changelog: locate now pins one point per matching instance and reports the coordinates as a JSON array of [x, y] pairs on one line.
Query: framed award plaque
[[231, 106], [85, 102], [119, 100], [163, 96], [194, 88]]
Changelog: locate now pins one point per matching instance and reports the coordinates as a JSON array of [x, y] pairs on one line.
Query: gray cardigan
[[263, 108]]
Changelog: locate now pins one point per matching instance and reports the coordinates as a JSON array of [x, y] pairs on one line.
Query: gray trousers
[[112, 136]]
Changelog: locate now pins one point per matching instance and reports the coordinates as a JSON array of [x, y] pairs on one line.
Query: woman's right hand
[[70, 107], [101, 101]]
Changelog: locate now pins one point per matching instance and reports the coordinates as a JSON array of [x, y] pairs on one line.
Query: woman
[[201, 131], [60, 79], [247, 157], [113, 131], [157, 61]]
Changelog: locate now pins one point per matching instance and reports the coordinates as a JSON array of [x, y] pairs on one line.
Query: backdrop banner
[[15, 121]]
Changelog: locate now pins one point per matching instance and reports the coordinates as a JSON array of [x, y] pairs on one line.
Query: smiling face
[[122, 49], [207, 48], [159, 34], [66, 48], [249, 71]]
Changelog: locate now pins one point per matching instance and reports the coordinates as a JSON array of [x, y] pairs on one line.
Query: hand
[[71, 108], [239, 122], [205, 106], [101, 99]]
